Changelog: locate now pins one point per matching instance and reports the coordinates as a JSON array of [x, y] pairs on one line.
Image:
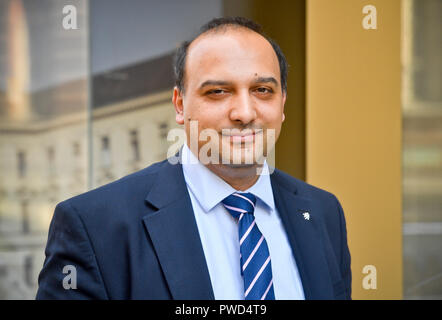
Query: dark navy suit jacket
[[137, 238]]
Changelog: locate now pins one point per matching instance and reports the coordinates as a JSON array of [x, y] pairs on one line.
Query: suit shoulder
[[303, 188], [325, 203]]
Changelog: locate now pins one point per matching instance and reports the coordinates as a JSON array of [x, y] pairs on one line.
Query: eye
[[216, 91], [264, 90]]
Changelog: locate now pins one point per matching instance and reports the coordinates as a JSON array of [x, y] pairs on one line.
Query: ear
[[284, 97], [177, 100]]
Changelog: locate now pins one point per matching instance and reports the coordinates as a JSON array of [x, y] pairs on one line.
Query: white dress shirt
[[218, 231]]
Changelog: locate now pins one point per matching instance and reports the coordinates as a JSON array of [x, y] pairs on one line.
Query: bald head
[[221, 26], [229, 55]]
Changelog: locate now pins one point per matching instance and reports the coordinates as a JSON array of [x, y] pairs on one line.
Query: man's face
[[232, 81]]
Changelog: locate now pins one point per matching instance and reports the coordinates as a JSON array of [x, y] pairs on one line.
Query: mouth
[[245, 136]]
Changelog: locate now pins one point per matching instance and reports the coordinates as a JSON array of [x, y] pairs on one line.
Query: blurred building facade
[[39, 126], [66, 132], [45, 161], [422, 148]]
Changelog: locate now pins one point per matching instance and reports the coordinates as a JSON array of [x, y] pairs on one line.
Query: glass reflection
[[43, 125], [422, 149], [55, 140]]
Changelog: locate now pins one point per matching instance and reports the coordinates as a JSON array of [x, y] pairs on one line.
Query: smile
[[243, 137]]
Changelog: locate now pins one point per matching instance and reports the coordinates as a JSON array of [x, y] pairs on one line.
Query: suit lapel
[[304, 236], [175, 237]]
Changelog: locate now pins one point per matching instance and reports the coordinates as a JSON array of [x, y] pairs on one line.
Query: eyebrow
[[215, 83], [266, 80], [226, 83]]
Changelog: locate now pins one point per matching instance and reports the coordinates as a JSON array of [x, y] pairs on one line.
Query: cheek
[[273, 117], [211, 116], [273, 121]]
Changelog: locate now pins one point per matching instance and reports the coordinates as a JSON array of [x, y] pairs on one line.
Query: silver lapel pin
[[306, 215]]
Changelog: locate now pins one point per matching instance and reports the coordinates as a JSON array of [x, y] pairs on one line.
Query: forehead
[[230, 54]]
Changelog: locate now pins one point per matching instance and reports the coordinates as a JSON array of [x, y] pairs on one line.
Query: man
[[209, 226]]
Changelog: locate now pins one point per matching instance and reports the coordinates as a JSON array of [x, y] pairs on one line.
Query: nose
[[243, 109]]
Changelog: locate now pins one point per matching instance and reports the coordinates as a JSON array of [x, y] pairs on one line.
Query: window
[[25, 217], [76, 151], [28, 271], [163, 128], [51, 161], [135, 146], [105, 152], [21, 164]]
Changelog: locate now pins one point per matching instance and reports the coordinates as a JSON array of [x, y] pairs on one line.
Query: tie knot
[[239, 203]]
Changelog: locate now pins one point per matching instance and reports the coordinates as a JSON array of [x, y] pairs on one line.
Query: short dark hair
[[223, 23]]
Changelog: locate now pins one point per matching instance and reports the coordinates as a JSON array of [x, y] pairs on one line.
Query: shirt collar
[[209, 189]]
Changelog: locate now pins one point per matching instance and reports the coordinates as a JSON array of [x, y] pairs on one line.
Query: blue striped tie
[[256, 267]]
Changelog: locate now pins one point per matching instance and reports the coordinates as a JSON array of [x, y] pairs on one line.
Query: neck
[[239, 177]]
